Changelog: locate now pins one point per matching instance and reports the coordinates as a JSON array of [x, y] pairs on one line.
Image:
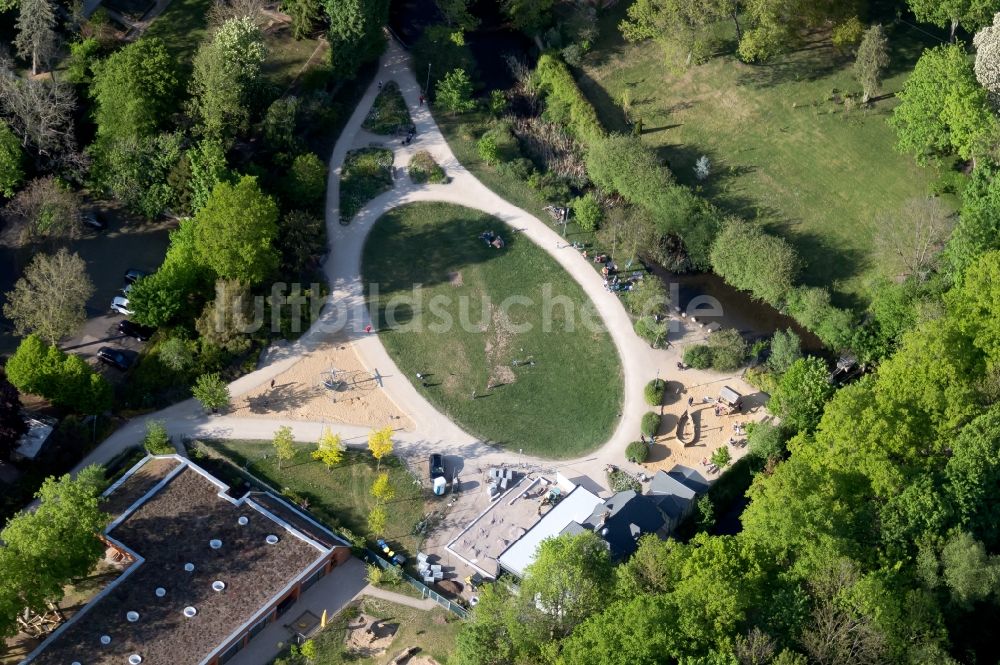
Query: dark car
[[436, 466], [93, 220], [114, 357], [132, 274], [135, 330]]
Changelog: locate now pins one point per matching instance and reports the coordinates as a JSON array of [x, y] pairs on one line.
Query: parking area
[[126, 243]]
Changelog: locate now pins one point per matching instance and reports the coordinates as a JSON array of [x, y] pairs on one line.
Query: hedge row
[[565, 103]]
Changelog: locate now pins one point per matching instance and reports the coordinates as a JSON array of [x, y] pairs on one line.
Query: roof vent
[[105, 640], [215, 543], [189, 567], [160, 592], [243, 520], [190, 611], [76, 662], [218, 585], [272, 539], [134, 659], [132, 616]]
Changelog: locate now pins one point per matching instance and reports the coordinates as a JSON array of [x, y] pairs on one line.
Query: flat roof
[[576, 506], [31, 442], [180, 509]]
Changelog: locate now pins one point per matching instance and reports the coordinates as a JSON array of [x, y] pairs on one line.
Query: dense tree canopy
[[235, 232], [942, 108], [50, 299]]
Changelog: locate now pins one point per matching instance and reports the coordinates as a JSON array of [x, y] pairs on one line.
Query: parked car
[[92, 219], [125, 289], [132, 274], [137, 331], [114, 357], [120, 305]]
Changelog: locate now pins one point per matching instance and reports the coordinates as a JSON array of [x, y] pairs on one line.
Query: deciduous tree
[[908, 241], [355, 33], [50, 299], [380, 443], [40, 112], [942, 107], [284, 444], [330, 449], [786, 348], [382, 489], [801, 393], [378, 519], [970, 14], [749, 258], [454, 92], [212, 392], [134, 90], [235, 232], [530, 16], [46, 209]]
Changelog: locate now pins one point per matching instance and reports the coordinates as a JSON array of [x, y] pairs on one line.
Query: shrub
[[392, 576], [157, 440], [650, 423], [374, 574], [802, 394], [654, 333], [748, 258], [729, 350], [565, 103], [765, 441], [647, 298], [653, 392], [811, 307], [551, 186], [587, 211], [706, 512], [423, 169], [848, 33], [721, 457], [366, 174], [785, 350], [498, 145], [453, 93], [619, 481], [698, 356], [637, 452], [762, 379], [305, 183]]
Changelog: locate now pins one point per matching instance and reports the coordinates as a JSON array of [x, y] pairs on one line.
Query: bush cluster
[[637, 452], [653, 392], [565, 103], [650, 423]]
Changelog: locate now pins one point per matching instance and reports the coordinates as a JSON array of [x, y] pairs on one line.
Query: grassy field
[[339, 497], [564, 404], [433, 631], [366, 174], [287, 56], [783, 146], [182, 26]]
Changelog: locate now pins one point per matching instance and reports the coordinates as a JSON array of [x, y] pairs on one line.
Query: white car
[[120, 305]]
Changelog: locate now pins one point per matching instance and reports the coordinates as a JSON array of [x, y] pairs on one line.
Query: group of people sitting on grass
[[492, 239]]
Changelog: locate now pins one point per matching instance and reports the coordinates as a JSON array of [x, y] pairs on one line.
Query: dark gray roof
[[624, 517], [572, 529], [689, 477]]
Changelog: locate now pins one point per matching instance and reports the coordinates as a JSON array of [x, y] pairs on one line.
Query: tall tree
[[330, 449], [235, 232], [212, 392], [36, 35], [943, 108], [355, 33], [530, 16], [380, 443], [40, 112], [970, 14], [987, 43], [226, 72], [304, 15], [680, 27], [134, 89], [454, 92], [12, 425], [56, 543], [50, 299], [46, 209], [871, 61], [908, 241]]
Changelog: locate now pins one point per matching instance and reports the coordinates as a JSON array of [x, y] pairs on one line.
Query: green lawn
[[388, 113], [565, 404], [287, 56], [182, 26], [366, 174], [780, 149], [433, 631], [340, 497]]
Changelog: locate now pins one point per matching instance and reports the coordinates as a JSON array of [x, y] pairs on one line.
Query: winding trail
[[345, 316]]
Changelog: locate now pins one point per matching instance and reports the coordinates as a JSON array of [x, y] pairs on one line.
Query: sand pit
[[299, 393], [706, 432], [368, 636]]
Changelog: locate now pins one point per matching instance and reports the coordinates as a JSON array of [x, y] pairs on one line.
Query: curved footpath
[[345, 316]]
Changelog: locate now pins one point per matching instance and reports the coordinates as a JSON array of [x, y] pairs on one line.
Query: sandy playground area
[[299, 393], [710, 431]]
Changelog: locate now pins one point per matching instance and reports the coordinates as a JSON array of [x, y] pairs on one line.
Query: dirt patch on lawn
[[368, 636], [455, 279]]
